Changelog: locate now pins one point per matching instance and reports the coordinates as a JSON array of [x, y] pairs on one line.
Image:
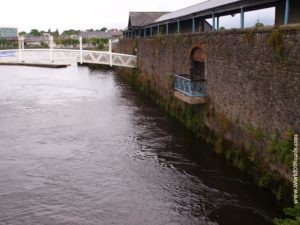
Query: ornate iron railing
[[193, 88]]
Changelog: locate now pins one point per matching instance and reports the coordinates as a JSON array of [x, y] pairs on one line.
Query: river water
[[82, 147]]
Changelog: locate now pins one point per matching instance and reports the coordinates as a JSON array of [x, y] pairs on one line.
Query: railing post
[[20, 54], [51, 46], [110, 53], [80, 47], [22, 42], [21, 46]]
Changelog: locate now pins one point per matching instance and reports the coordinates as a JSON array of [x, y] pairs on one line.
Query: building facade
[[192, 19], [8, 32]]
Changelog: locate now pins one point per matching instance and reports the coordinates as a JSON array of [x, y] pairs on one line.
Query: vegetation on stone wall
[[292, 214], [276, 42], [250, 36], [281, 149]]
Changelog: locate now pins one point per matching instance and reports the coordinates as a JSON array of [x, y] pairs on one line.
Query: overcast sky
[[86, 14]]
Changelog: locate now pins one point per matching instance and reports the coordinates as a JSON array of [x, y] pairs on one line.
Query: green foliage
[[22, 33], [70, 32], [8, 43], [66, 41], [224, 123], [44, 44], [266, 179], [35, 32], [103, 29], [236, 156], [282, 149], [257, 132], [258, 25], [98, 42], [250, 36], [193, 119], [171, 81], [222, 28], [293, 216]]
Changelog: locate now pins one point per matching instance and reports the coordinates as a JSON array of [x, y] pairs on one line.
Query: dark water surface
[[82, 147]]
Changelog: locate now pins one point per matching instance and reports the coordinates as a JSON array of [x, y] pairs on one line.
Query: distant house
[[115, 34], [36, 41], [94, 34], [138, 20]]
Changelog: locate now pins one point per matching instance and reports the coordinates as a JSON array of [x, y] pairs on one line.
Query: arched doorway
[[197, 69]]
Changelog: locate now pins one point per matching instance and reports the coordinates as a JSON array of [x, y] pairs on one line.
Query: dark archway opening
[[197, 69]]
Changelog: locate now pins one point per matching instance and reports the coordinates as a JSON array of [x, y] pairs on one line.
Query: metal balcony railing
[[193, 88]]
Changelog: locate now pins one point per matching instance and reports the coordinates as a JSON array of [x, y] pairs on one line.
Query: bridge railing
[[193, 88], [67, 56]]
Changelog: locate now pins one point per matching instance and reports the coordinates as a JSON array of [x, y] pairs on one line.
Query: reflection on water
[[81, 147]]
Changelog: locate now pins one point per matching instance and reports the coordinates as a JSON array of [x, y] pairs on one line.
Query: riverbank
[[46, 65]]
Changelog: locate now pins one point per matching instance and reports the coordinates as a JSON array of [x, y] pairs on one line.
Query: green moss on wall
[[281, 149]]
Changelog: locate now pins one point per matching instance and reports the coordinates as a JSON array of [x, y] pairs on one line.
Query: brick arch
[[197, 66]]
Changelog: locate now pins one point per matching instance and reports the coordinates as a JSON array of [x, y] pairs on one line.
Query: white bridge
[[66, 56]]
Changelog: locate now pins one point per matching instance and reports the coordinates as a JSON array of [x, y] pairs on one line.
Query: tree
[[70, 32], [22, 33], [35, 32], [58, 40], [222, 28], [56, 33], [258, 25], [103, 29]]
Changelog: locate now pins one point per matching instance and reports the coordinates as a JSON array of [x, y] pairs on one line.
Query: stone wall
[[253, 76]]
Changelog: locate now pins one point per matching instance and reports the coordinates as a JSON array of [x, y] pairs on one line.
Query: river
[[82, 147]]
